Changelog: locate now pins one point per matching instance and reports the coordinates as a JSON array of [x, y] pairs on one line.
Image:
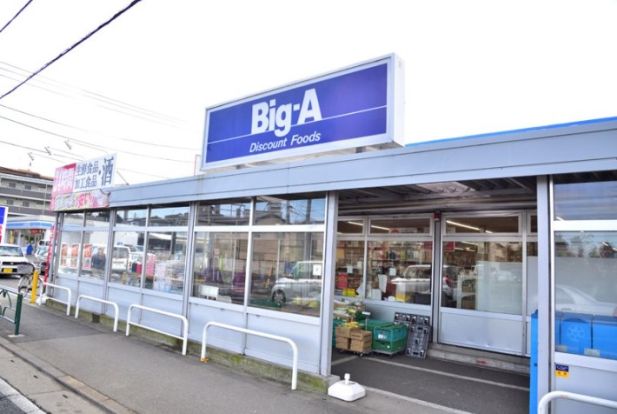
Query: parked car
[[571, 299], [415, 278], [13, 262], [304, 280]]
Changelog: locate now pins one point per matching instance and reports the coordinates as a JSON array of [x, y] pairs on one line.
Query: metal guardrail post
[[68, 291], [294, 347], [35, 286], [185, 324], [20, 298], [107, 302], [553, 395], [6, 292]]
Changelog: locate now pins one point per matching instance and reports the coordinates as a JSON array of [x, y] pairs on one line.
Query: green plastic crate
[[390, 339], [371, 324], [389, 347], [390, 333]]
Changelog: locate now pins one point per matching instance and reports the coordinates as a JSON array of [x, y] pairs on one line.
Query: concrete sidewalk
[[83, 367]]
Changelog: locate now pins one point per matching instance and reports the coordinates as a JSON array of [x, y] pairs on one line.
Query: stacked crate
[[390, 339]]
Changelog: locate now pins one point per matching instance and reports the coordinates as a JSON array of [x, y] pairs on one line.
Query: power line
[[17, 14], [87, 144], [94, 95], [94, 132], [73, 157], [104, 106], [83, 39]]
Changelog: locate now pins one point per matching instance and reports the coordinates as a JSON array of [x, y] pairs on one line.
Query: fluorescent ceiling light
[[466, 226]]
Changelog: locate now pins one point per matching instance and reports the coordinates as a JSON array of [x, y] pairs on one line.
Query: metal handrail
[[294, 347], [185, 324], [547, 398], [107, 302], [4, 292], [47, 297]]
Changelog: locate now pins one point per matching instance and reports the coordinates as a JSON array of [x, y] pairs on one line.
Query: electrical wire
[[93, 146], [93, 95], [96, 133], [17, 14], [72, 157], [83, 39]]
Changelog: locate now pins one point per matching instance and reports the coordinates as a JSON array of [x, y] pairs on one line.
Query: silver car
[[13, 261], [304, 281]]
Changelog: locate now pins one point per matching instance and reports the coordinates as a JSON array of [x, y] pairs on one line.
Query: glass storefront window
[[533, 224], [128, 258], [483, 275], [287, 272], [131, 217], [94, 255], [400, 271], [73, 219], [482, 225], [97, 218], [219, 266], [400, 226], [349, 268], [165, 261], [532, 277], [169, 216], [590, 200], [278, 210], [232, 213], [350, 226], [586, 292], [69, 253]]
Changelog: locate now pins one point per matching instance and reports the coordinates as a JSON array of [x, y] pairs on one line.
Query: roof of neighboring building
[[24, 173]]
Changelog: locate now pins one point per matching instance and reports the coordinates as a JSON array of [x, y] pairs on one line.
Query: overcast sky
[[139, 87]]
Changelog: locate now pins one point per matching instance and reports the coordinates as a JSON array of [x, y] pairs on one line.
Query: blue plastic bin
[[575, 336], [604, 338]]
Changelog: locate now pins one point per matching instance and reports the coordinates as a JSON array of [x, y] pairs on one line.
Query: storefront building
[[478, 233]]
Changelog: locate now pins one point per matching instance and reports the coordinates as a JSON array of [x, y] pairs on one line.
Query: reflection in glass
[[287, 271], [350, 226], [93, 255], [219, 269], [586, 293], [400, 226], [277, 210], [400, 271], [169, 216], [232, 213], [97, 218], [165, 261], [505, 224], [484, 276], [73, 219], [594, 200], [586, 272], [131, 217], [69, 253], [128, 259], [349, 268]]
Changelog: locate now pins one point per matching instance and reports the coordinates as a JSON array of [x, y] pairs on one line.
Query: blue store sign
[[350, 108], [4, 212]]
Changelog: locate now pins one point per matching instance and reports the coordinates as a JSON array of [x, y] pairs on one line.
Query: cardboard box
[[344, 332], [342, 343], [360, 335], [357, 345]]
